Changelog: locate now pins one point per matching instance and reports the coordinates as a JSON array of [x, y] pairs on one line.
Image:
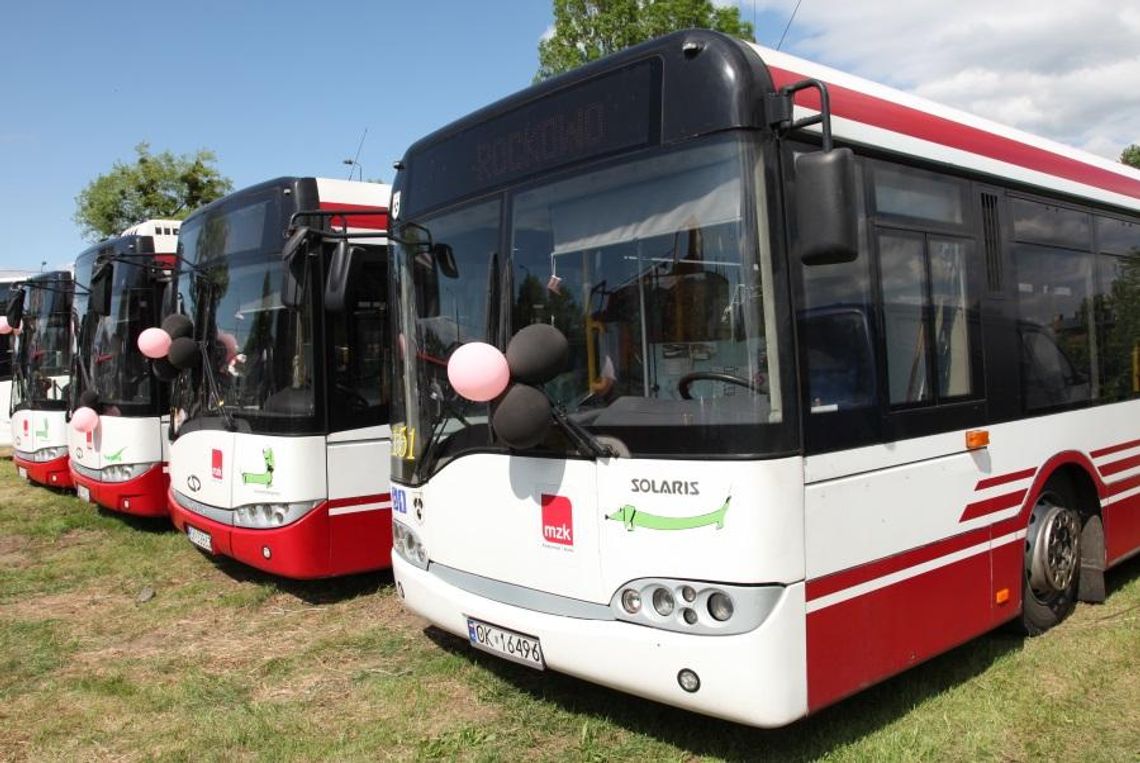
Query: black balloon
[[178, 326], [522, 418], [184, 353], [162, 370], [537, 354], [89, 398]]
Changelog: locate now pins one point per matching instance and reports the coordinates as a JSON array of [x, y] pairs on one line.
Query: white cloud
[[1068, 71]]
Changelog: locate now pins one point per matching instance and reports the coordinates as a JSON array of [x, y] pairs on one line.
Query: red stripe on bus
[[1115, 488], [357, 500], [1119, 466], [1122, 529], [993, 505], [895, 117], [853, 576], [1003, 479], [1115, 448], [378, 221]]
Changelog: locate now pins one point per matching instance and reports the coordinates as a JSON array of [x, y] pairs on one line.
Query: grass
[[225, 663]]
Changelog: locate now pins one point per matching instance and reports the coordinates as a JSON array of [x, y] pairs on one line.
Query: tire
[[1052, 568]]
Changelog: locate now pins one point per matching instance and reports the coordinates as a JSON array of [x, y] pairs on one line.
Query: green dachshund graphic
[[116, 456], [631, 517], [261, 478]]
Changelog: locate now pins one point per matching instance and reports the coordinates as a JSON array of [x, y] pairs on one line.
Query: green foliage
[[585, 30], [155, 186], [1131, 156]]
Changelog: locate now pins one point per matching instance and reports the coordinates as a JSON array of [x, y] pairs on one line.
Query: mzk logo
[[631, 518], [261, 478], [557, 520]]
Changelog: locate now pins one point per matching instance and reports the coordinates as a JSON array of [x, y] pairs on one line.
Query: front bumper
[[315, 546], [143, 496], [758, 678], [54, 473]]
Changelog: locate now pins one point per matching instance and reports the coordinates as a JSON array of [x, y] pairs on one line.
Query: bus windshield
[[43, 355], [653, 270], [106, 356], [259, 350]]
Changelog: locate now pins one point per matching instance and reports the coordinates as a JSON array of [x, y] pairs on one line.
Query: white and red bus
[[7, 279], [119, 459], [280, 432], [795, 395], [39, 312]]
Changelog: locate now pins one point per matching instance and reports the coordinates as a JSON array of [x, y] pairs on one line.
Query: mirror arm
[[781, 107]]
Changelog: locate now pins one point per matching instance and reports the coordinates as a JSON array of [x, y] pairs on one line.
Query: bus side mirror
[[293, 281], [826, 226], [336, 287], [100, 299], [444, 258], [16, 308]]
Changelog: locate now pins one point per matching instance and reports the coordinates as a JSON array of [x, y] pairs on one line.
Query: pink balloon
[[154, 343], [84, 419], [4, 327], [478, 371]]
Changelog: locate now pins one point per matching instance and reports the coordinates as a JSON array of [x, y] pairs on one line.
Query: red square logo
[[557, 520], [216, 464]]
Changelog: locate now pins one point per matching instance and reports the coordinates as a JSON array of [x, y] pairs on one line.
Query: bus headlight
[[406, 543], [705, 608], [124, 472], [49, 454], [263, 516]]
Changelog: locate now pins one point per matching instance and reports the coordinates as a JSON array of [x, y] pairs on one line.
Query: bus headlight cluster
[[269, 515], [49, 454], [123, 472], [407, 544], [695, 607]]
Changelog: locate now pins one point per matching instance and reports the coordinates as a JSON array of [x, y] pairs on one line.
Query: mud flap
[[1091, 587]]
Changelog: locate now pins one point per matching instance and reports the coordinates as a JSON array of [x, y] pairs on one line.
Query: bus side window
[[359, 391]]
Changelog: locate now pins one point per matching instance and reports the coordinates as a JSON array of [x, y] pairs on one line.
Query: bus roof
[[867, 113], [164, 233]]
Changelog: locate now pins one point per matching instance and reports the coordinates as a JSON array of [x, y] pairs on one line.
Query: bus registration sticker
[[513, 646]]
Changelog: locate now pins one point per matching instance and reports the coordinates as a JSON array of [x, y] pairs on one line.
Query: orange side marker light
[[977, 438], [1002, 596]]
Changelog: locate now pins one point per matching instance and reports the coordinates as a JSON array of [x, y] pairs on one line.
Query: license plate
[[200, 539], [83, 492], [505, 643], [22, 472]]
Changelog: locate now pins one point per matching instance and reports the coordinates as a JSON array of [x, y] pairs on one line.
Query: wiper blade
[[450, 412], [586, 443], [212, 381]]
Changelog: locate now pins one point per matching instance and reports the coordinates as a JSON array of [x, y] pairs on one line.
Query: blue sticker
[[399, 501]]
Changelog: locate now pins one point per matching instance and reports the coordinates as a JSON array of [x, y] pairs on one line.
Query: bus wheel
[[1052, 560]]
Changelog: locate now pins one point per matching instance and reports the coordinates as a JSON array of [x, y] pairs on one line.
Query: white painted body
[[34, 430], [5, 417], [120, 440]]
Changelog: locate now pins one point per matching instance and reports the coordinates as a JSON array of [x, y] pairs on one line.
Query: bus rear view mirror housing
[[99, 299], [16, 308], [826, 229], [444, 258], [336, 287]]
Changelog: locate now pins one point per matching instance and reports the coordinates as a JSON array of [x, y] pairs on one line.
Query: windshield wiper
[[586, 443], [212, 382], [448, 413]]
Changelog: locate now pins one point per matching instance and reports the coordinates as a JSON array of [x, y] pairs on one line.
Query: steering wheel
[[687, 380]]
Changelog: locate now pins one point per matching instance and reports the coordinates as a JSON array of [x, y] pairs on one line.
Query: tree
[[585, 30], [155, 186], [1131, 156]]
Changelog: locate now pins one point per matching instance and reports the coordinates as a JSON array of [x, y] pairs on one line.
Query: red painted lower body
[[318, 545], [143, 496], [1122, 529], [54, 473], [859, 642]]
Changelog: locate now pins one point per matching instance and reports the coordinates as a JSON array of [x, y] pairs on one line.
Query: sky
[[280, 87]]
